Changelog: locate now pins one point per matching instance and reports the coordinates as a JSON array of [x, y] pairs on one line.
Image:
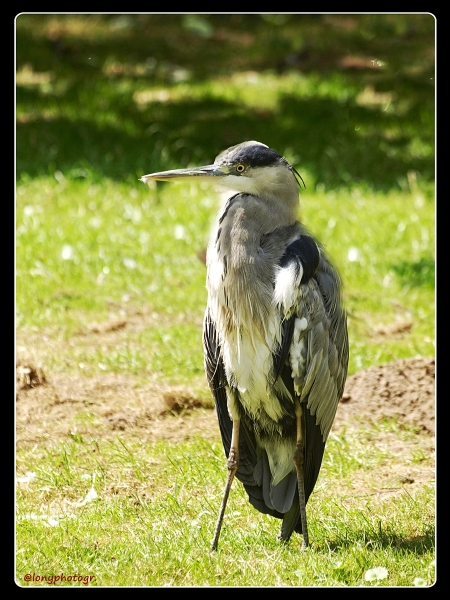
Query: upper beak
[[197, 172]]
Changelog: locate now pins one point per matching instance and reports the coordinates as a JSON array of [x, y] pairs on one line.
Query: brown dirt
[[404, 390], [52, 407]]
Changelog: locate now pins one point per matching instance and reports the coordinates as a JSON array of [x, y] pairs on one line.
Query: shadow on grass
[[415, 545], [128, 143], [416, 274], [85, 119]]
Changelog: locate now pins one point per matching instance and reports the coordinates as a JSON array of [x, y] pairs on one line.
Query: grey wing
[[312, 356], [319, 352]]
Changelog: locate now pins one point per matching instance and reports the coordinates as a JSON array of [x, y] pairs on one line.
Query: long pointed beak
[[195, 173]]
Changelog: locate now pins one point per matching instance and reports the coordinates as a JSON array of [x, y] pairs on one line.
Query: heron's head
[[251, 167]]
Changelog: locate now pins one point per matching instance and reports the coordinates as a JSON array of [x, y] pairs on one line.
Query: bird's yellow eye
[[240, 168]]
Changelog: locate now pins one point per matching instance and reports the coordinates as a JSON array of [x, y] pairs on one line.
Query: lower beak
[[196, 173]]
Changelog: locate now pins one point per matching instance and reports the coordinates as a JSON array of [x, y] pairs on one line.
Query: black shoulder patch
[[306, 251]]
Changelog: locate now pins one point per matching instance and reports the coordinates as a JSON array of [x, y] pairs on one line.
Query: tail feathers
[[281, 495], [291, 521], [256, 499], [271, 499]]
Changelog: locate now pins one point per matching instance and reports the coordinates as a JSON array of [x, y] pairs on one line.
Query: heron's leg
[[299, 460], [232, 463]]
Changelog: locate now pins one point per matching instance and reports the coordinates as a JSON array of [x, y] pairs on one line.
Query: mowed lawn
[[102, 100]]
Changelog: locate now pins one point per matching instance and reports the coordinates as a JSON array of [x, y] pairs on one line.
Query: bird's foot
[[232, 462]]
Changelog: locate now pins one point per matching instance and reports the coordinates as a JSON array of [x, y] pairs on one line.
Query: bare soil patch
[[52, 407], [404, 390]]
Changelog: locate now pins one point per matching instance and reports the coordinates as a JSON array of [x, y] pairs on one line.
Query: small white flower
[[179, 232], [353, 254], [376, 574], [129, 263], [67, 252], [90, 496], [29, 476]]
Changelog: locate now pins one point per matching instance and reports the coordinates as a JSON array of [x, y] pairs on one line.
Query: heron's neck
[[245, 220], [242, 257]]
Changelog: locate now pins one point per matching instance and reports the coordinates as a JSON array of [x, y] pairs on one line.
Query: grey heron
[[274, 335]]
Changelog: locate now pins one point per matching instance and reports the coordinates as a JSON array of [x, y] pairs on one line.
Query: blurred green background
[[349, 97]]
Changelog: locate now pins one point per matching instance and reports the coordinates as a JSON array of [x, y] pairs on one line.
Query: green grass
[[103, 99], [153, 518], [92, 252]]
